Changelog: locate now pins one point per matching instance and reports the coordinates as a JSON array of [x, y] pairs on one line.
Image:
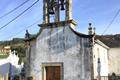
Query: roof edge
[[101, 43]]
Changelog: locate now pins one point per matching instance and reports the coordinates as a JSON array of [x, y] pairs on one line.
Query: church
[[58, 52]]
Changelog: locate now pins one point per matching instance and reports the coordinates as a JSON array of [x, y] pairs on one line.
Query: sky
[[98, 12]]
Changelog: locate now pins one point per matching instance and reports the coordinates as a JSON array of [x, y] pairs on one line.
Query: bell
[[62, 7], [62, 4], [51, 11]]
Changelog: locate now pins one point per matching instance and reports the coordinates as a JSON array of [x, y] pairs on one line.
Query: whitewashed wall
[[103, 55], [61, 44], [10, 63], [114, 60]]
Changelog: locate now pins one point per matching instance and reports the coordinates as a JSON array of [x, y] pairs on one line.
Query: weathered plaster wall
[[114, 60], [30, 54], [61, 44], [102, 53]]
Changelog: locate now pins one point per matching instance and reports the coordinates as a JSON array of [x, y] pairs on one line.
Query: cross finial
[[90, 29], [27, 35]]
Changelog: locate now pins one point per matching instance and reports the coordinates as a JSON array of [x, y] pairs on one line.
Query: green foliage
[[3, 56], [16, 44], [21, 51], [12, 42]]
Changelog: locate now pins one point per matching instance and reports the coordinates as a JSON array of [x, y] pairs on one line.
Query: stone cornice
[[58, 24]]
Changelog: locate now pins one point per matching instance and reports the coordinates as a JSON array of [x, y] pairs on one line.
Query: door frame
[[52, 64]]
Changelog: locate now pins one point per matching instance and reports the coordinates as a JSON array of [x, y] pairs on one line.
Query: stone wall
[[61, 45]]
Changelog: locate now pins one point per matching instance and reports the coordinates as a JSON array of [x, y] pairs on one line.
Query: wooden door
[[53, 73]]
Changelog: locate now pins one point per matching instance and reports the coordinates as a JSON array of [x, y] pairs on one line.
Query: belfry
[[54, 7]]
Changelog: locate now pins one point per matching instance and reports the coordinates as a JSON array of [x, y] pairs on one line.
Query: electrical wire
[[111, 21], [23, 29], [19, 15], [14, 9]]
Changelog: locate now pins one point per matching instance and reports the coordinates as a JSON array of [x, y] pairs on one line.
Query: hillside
[[17, 44], [111, 41], [11, 42]]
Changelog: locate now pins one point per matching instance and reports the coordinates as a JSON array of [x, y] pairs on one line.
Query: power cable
[[13, 9], [111, 21], [18, 15], [24, 29]]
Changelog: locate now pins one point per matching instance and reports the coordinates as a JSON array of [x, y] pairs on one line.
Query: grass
[[3, 56]]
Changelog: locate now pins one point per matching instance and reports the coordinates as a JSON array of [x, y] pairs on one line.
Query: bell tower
[[54, 7]]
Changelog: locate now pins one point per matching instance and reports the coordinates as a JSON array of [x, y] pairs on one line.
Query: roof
[[101, 44], [112, 41]]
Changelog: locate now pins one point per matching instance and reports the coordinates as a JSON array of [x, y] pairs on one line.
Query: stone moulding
[[56, 24]]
